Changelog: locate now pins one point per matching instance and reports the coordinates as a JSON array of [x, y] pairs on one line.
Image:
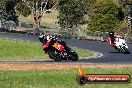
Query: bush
[[71, 12], [105, 17], [8, 25], [128, 36]]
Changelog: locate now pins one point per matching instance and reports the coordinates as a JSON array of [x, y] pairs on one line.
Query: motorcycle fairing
[[120, 42], [46, 44], [58, 46]]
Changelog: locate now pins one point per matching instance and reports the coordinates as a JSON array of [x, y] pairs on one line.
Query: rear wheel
[[126, 50], [53, 56]]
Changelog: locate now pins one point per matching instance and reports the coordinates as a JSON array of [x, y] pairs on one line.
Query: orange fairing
[[58, 46], [81, 71]]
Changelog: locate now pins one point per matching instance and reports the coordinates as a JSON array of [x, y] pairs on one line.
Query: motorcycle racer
[[111, 39], [56, 49]]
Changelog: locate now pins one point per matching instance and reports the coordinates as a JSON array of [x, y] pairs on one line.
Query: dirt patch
[[58, 66]]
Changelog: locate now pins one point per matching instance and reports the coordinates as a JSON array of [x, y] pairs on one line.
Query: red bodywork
[[109, 39], [56, 45], [46, 44]]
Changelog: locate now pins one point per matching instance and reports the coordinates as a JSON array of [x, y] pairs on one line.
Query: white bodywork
[[120, 42]]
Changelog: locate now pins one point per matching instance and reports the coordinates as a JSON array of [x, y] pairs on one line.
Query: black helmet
[[111, 33], [41, 38]]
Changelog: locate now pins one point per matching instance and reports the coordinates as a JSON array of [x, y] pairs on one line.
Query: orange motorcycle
[[57, 50]]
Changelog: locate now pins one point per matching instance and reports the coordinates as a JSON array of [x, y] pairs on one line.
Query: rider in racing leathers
[[111, 39]]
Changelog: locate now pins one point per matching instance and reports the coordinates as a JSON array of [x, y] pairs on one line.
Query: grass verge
[[24, 50], [57, 78]]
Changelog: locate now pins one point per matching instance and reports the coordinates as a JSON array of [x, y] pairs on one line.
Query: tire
[[126, 50], [52, 56], [81, 80], [74, 56]]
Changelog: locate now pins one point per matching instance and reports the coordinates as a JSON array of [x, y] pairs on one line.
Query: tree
[[23, 9], [37, 7], [4, 17], [71, 12], [126, 27], [1, 1], [106, 16], [10, 9], [90, 6], [26, 8], [3, 13]]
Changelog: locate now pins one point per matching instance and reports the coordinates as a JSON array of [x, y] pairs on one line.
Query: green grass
[[57, 78], [24, 50], [83, 52]]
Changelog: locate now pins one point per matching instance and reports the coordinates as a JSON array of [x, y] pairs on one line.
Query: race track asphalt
[[110, 55]]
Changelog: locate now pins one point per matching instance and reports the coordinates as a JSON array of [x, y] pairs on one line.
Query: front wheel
[[53, 56], [126, 50]]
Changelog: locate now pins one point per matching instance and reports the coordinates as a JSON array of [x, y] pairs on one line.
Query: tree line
[[104, 15]]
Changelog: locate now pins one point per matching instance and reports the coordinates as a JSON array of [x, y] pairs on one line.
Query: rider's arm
[[109, 41]]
